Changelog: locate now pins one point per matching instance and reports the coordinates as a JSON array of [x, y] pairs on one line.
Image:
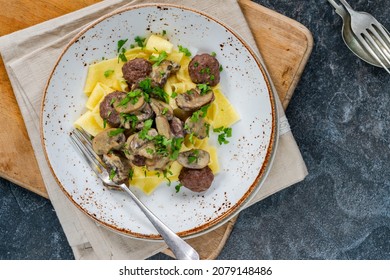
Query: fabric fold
[[29, 56]]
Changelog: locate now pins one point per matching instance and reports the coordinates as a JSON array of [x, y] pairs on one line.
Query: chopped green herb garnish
[[204, 88], [196, 64], [143, 134], [150, 151], [177, 187], [175, 147], [191, 138], [115, 132], [129, 118], [122, 57], [112, 174], [121, 43], [164, 111], [224, 133], [146, 85], [213, 54], [174, 94], [140, 41], [104, 123], [108, 73], [148, 89], [112, 101], [185, 51], [158, 59], [164, 32], [160, 93], [132, 97], [131, 174], [205, 70], [220, 68], [207, 125], [201, 113]]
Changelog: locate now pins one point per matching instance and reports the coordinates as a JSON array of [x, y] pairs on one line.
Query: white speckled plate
[[244, 161]]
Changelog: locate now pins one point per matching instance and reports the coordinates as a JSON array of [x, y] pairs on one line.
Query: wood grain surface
[[284, 44]]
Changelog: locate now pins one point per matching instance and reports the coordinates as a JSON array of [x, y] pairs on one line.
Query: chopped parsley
[[201, 113], [164, 32], [174, 94], [196, 64], [108, 73], [132, 97], [122, 56], [204, 88], [220, 68], [139, 41], [164, 111], [115, 132], [112, 174], [131, 174], [193, 157], [121, 50], [205, 70], [213, 54], [177, 187], [225, 132], [143, 134], [121, 43], [158, 59], [184, 50], [146, 86], [129, 118]]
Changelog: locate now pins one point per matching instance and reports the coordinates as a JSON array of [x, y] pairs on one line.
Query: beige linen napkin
[[29, 57]]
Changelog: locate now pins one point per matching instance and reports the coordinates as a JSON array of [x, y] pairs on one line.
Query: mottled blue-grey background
[[340, 118]]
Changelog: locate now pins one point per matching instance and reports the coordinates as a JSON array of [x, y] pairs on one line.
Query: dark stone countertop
[[340, 118]]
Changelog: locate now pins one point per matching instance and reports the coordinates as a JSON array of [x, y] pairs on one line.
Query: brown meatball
[[197, 180], [136, 70], [204, 69], [107, 111]]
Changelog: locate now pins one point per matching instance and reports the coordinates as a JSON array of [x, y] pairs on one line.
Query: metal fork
[[181, 249], [371, 34]]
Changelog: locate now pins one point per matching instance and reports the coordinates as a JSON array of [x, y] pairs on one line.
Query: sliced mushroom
[[107, 140], [194, 159], [136, 142], [144, 113], [163, 126], [193, 100], [147, 151], [161, 73], [129, 104], [118, 168], [177, 129], [198, 128], [161, 108], [181, 114]]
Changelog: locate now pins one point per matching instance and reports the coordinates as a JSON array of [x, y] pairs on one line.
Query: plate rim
[[262, 174]]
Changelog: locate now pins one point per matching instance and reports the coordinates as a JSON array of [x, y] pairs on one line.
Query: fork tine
[[87, 152], [381, 35], [85, 135], [373, 40], [367, 46]]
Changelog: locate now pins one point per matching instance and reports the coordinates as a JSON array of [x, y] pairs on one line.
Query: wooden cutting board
[[284, 44]]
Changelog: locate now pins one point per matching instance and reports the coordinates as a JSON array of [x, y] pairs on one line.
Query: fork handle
[[339, 8], [181, 249]]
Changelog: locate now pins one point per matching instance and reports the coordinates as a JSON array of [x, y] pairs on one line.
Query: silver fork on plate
[[371, 34], [181, 249]]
